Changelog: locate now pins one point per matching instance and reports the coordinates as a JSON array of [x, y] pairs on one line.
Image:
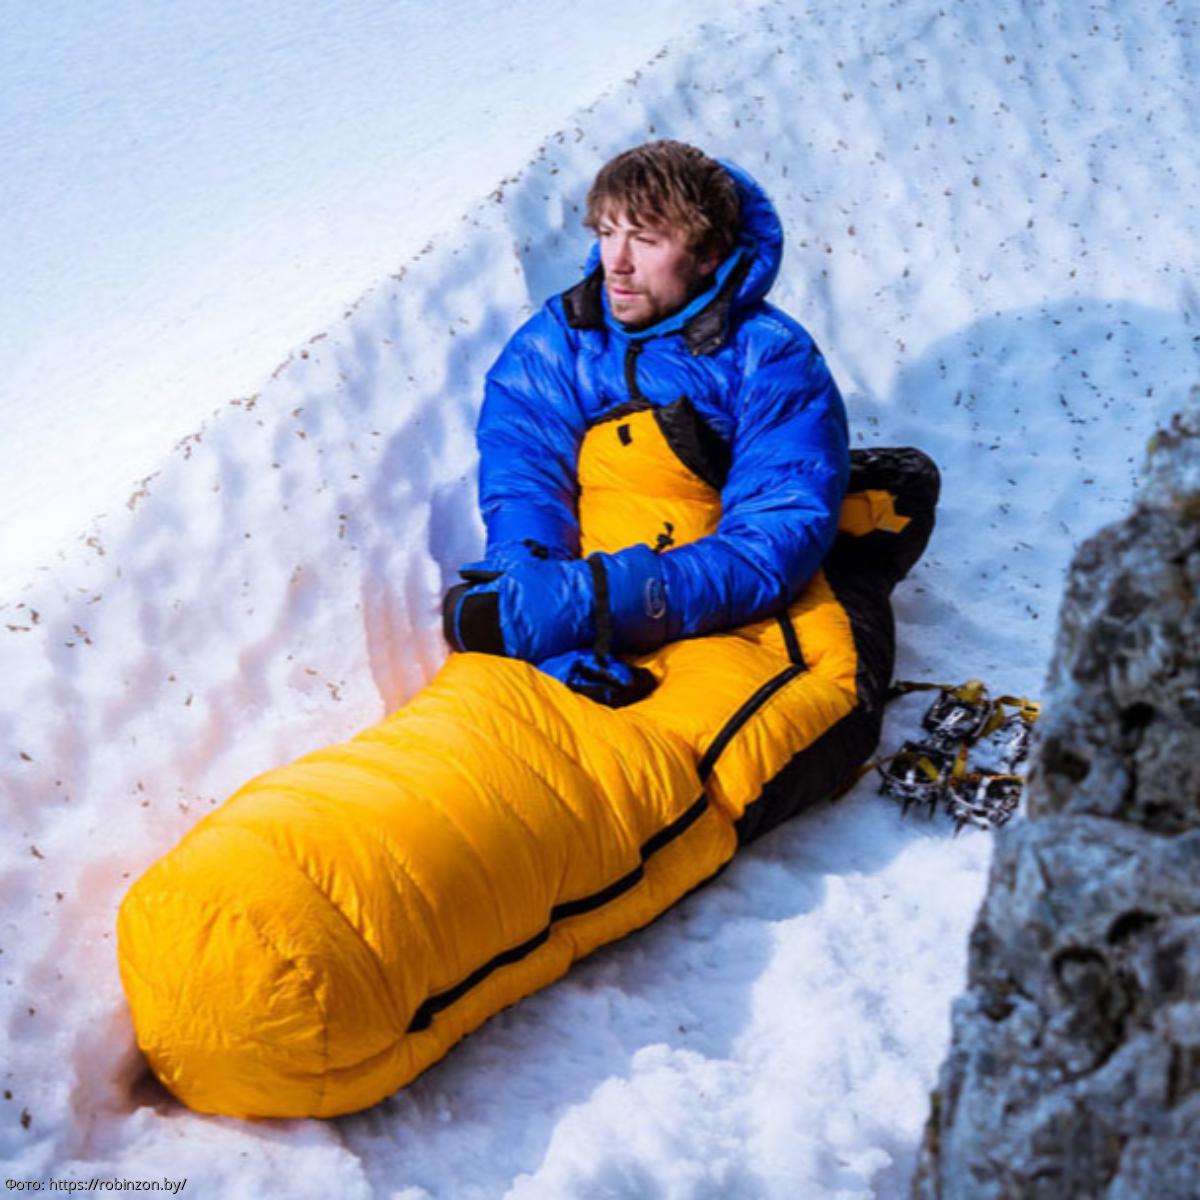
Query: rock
[[1074, 1066]]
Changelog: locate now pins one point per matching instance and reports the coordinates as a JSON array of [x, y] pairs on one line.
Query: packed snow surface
[[992, 224]]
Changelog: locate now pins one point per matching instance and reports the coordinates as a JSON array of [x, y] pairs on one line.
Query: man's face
[[649, 273]]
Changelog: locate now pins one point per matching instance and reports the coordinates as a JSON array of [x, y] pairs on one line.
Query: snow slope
[[189, 190], [991, 210]]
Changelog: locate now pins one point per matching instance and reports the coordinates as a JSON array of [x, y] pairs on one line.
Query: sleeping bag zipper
[[743, 714]]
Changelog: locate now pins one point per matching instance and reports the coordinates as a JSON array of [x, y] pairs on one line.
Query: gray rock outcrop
[[1074, 1066]]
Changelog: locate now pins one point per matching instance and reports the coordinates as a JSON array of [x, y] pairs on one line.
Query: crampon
[[967, 763]]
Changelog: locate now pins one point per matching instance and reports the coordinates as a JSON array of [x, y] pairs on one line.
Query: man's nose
[[622, 261]]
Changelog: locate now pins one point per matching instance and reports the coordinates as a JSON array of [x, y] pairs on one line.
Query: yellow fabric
[[864, 512], [745, 660], [274, 960], [632, 488], [471, 846]]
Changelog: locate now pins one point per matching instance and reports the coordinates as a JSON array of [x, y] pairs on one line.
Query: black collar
[[704, 333]]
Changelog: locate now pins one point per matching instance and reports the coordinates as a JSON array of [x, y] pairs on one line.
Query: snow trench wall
[[1075, 1063]]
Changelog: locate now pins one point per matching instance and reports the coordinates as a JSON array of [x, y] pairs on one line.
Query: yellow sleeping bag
[[339, 923]]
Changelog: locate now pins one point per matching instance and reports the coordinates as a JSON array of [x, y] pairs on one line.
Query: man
[[663, 460], [672, 312]]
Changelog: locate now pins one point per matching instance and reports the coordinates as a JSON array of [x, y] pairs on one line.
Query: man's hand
[[531, 610], [542, 608], [607, 679]]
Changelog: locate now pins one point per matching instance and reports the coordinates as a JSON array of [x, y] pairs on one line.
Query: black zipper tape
[[424, 1015], [631, 357], [731, 727], [790, 640]]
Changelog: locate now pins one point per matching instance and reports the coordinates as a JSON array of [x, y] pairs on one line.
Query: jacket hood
[[743, 279]]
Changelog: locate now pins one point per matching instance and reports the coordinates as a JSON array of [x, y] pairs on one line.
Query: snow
[[992, 231], [192, 189]]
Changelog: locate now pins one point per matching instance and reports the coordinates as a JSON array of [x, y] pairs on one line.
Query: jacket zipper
[[631, 357]]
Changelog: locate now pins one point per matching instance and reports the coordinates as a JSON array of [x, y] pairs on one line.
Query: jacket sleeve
[[781, 500], [529, 432]]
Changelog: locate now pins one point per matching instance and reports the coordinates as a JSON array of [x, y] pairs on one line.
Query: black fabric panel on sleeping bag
[[818, 772], [862, 571]]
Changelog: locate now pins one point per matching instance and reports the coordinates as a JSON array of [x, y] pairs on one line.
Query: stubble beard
[[635, 311]]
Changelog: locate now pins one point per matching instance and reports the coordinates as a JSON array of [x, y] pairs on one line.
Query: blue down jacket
[[772, 430]]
